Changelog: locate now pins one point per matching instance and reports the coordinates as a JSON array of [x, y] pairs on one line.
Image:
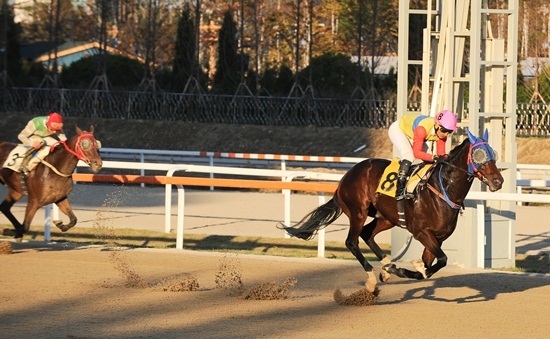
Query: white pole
[[321, 233], [167, 207], [181, 213], [47, 222], [480, 233]]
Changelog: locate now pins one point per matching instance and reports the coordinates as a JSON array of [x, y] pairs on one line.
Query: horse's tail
[[316, 220]]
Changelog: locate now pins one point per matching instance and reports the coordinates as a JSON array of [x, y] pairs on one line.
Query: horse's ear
[[92, 129], [471, 136], [486, 135], [78, 130]]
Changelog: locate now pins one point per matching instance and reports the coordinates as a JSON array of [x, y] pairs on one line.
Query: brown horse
[[431, 214], [51, 181]]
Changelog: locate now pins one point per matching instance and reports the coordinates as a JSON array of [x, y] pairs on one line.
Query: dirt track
[[77, 292], [80, 292]]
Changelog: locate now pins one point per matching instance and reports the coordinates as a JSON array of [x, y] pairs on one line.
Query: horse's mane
[[458, 149]]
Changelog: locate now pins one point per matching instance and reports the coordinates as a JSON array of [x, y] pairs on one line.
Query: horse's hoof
[[63, 228], [386, 268], [419, 265], [384, 276], [19, 240], [370, 284]]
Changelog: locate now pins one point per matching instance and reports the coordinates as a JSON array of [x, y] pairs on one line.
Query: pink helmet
[[446, 119]]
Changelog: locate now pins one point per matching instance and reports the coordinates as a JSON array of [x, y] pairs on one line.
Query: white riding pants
[[403, 144]]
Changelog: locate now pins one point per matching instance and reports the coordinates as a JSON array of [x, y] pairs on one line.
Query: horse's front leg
[[65, 207], [432, 249], [426, 262]]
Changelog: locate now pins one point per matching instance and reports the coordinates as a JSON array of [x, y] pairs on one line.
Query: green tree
[[332, 75], [227, 76], [122, 72]]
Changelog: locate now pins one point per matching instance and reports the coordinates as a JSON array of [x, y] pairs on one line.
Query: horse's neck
[[456, 181], [62, 159]]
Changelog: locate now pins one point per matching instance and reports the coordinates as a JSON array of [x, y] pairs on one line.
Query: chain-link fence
[[532, 119]]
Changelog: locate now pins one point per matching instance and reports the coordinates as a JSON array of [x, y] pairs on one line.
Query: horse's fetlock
[[386, 260]]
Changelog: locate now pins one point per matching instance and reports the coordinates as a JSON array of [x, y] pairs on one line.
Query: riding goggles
[[444, 130]]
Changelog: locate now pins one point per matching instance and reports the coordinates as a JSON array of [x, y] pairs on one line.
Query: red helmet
[[54, 121]]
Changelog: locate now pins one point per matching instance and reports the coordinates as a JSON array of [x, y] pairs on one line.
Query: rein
[[444, 195], [79, 154], [476, 174], [52, 167]]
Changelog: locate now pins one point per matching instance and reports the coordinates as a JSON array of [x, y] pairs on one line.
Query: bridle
[[479, 154], [84, 142]]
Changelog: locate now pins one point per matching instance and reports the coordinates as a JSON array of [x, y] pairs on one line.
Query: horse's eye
[[85, 143], [480, 156], [98, 144]]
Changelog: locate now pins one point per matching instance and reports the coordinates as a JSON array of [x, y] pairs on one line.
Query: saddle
[[417, 173], [14, 159]]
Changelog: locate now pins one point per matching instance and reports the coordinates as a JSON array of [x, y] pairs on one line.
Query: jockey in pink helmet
[[447, 120], [413, 135]]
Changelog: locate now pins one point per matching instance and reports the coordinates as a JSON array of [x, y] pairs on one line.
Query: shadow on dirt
[[471, 287]]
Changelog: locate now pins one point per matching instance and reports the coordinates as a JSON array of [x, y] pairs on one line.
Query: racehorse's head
[[87, 149], [482, 162]]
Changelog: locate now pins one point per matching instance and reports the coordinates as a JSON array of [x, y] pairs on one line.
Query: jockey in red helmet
[[39, 132]]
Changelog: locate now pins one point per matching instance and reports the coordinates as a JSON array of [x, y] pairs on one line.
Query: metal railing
[[533, 119]]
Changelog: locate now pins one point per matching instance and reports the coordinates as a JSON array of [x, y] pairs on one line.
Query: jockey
[[39, 132], [411, 134]]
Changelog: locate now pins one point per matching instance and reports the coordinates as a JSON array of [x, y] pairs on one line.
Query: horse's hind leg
[[5, 208], [352, 243], [368, 233], [65, 207]]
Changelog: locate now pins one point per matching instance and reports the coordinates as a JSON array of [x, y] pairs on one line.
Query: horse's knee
[[441, 262]]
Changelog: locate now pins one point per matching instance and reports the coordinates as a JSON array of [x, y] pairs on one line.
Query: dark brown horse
[[51, 181], [431, 214]]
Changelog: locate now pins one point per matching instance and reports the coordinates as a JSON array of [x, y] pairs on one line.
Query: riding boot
[[404, 167]]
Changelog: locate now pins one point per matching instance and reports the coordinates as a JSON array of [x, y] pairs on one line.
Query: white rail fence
[[531, 171]]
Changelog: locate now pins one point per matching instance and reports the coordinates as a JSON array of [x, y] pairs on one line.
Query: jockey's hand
[[38, 144], [440, 158]]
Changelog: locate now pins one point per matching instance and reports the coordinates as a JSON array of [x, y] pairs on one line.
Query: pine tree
[[226, 78], [184, 51]]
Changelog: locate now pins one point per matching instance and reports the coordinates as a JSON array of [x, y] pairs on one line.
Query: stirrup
[[24, 171]]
